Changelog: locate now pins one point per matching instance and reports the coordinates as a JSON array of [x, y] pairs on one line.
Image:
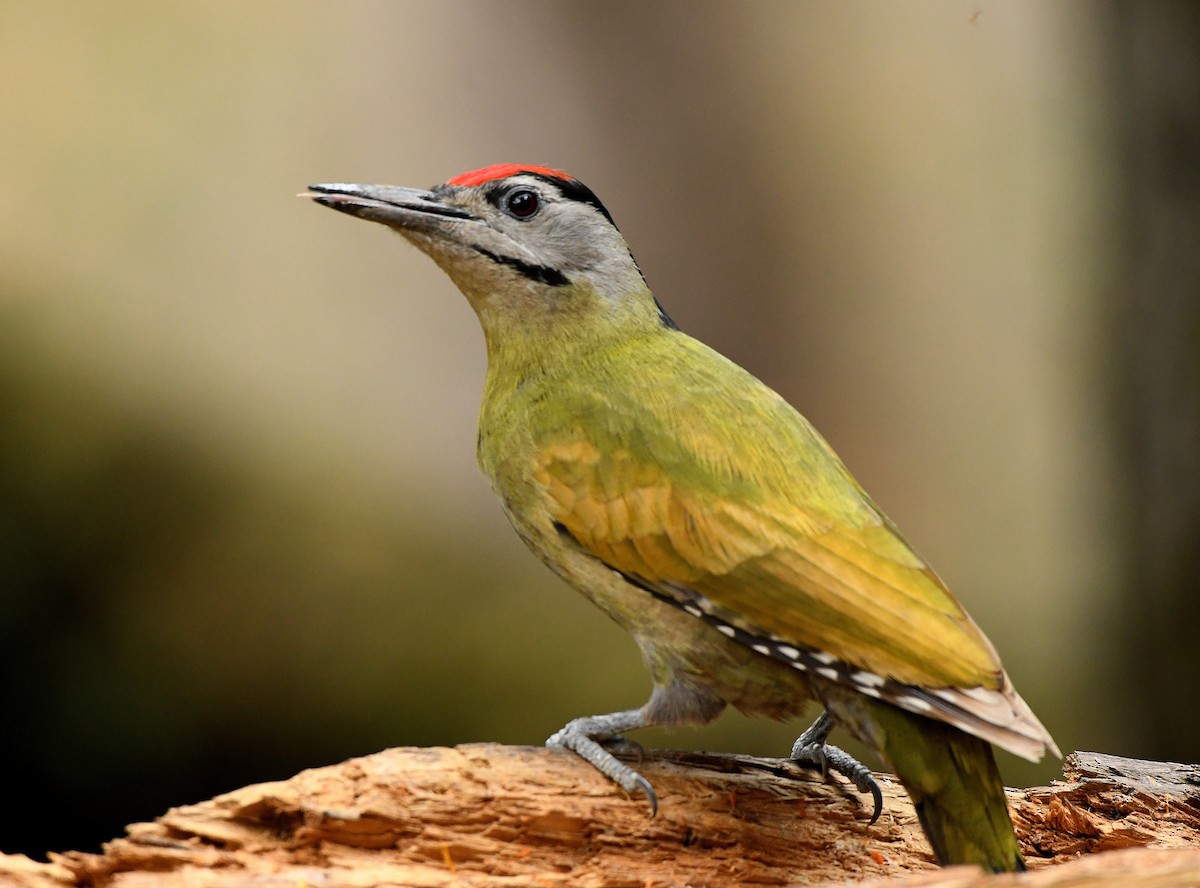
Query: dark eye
[[522, 203]]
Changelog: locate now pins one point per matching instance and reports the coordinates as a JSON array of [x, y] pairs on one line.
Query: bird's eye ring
[[522, 203]]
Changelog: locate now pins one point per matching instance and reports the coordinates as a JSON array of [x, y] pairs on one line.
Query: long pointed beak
[[411, 208]]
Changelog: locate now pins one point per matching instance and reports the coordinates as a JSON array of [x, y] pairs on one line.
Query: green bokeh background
[[241, 528]]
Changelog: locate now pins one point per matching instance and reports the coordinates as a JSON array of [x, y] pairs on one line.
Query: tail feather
[[955, 786]]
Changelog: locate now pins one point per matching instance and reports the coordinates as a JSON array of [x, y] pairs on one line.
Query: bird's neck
[[551, 334]]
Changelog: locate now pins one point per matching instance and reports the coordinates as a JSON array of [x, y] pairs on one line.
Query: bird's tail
[[952, 779]]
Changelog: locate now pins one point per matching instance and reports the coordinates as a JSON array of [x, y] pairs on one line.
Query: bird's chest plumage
[[512, 426], [529, 408]]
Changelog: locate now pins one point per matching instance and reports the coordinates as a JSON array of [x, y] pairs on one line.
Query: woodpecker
[[704, 514]]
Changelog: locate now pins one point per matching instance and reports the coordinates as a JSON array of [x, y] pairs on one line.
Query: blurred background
[[241, 528]]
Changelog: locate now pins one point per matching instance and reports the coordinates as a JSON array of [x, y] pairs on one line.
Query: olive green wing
[[855, 591], [806, 570]]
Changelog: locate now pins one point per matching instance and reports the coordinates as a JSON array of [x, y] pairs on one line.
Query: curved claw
[[651, 796], [877, 798], [816, 755]]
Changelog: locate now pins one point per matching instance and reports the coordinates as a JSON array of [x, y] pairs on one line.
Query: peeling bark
[[486, 814]]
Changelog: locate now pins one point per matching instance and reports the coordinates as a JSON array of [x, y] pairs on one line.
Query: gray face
[[546, 228], [524, 226]]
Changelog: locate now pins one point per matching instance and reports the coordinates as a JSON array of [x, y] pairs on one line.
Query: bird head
[[525, 244]]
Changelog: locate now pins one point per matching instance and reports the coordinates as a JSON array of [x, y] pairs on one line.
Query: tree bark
[[486, 814]]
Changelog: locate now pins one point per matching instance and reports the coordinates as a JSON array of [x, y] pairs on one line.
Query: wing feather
[[859, 595], [762, 530]]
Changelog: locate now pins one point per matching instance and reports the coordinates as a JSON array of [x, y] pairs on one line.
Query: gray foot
[[811, 748], [583, 737]]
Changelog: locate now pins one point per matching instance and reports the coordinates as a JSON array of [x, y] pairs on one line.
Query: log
[[485, 814]]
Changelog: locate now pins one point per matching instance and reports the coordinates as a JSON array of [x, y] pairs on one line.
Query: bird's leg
[[811, 748], [673, 704]]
